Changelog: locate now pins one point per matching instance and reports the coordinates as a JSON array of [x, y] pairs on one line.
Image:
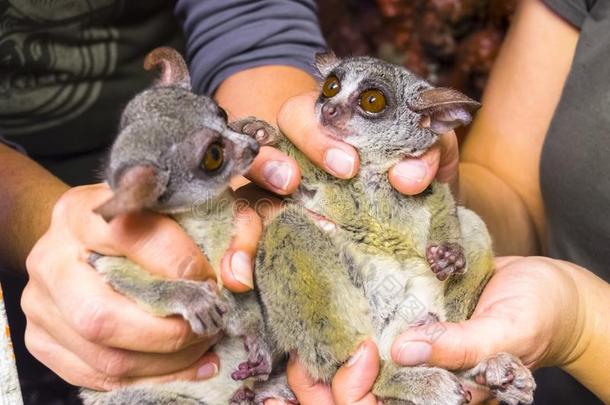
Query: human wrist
[[261, 91], [589, 355], [502, 209]]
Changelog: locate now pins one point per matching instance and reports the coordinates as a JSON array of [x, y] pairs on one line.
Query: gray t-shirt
[[575, 168], [67, 67]]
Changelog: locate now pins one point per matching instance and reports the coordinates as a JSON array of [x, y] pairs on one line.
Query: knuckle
[[32, 342], [107, 383], [180, 337], [35, 259], [28, 304], [63, 206], [114, 363], [93, 321], [287, 109]]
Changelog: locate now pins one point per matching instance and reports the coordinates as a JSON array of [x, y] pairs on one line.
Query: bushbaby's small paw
[[446, 259], [264, 133], [259, 360], [200, 304], [507, 378]]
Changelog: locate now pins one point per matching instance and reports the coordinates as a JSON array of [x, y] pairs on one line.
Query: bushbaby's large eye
[[331, 87], [213, 157], [372, 101]]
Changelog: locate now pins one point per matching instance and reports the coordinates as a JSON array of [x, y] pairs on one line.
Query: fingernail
[[278, 174], [357, 355], [339, 162], [206, 371], [414, 353], [292, 357], [414, 171], [241, 268]]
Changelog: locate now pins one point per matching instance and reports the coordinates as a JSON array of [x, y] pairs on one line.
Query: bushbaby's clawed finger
[[237, 263], [298, 122]]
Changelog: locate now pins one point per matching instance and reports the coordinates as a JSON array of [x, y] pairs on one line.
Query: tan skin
[[97, 347]]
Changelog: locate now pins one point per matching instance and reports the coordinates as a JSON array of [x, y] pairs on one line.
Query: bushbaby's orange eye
[[331, 87], [372, 101], [213, 157]]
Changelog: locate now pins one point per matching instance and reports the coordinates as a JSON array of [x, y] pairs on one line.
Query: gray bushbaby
[[354, 259], [175, 154]]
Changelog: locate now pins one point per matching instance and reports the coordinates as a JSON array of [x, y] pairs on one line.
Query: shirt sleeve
[[573, 11], [227, 36], [13, 145]]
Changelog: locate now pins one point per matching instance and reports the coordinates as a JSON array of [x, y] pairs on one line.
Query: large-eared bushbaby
[[354, 259], [175, 154]]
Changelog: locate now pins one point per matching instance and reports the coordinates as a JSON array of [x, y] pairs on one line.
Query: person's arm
[[27, 196], [499, 173], [589, 363]]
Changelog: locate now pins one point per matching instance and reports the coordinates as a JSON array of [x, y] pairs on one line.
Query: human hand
[[531, 308], [94, 337], [297, 121], [350, 386]]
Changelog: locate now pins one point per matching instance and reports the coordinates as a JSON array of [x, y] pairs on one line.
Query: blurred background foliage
[[448, 42]]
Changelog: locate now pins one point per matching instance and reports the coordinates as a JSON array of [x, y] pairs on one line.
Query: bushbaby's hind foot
[[259, 360], [506, 377], [446, 259], [264, 133]]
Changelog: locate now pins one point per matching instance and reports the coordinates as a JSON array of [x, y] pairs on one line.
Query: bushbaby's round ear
[[138, 188], [174, 71], [326, 62], [443, 109]]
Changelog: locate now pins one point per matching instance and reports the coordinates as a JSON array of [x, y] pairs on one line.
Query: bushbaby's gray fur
[[175, 153], [352, 259]]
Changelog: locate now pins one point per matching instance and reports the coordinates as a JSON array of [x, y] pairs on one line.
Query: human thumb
[[452, 346], [354, 380]]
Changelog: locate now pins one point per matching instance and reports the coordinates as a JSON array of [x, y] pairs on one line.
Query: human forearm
[[501, 208], [261, 91], [588, 361], [27, 196], [507, 136]]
